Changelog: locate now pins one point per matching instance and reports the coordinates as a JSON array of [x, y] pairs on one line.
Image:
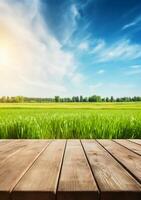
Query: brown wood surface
[[76, 180], [15, 166], [130, 145], [42, 177], [137, 141], [5, 142], [70, 170], [127, 158], [10, 148], [113, 180]]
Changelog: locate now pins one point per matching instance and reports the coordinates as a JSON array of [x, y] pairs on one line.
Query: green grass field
[[70, 120]]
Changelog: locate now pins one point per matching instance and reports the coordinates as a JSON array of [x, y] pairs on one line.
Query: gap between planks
[[57, 182], [42, 177], [132, 164], [136, 141], [28, 167], [134, 147], [113, 180], [12, 169]]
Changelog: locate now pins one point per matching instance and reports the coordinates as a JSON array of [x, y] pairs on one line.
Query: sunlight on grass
[[69, 123]]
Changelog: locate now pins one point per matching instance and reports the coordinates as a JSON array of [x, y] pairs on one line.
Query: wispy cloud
[[83, 46], [115, 89], [69, 23], [36, 57], [133, 70], [75, 11], [120, 86], [77, 79], [42, 54], [133, 23], [93, 88], [101, 71], [135, 66], [120, 50], [100, 44]]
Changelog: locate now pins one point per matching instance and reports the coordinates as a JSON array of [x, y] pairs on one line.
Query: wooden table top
[[70, 169]]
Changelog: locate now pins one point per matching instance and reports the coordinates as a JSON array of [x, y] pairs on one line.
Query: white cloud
[[114, 89], [95, 47], [120, 86], [100, 86], [83, 46], [135, 66], [99, 46], [101, 71], [121, 50], [77, 79], [129, 25], [133, 72], [75, 11], [95, 86], [35, 60], [69, 23], [133, 23]]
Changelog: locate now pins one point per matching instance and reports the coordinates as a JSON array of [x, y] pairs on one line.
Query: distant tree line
[[94, 98]]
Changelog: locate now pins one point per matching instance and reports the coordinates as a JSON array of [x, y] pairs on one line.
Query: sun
[[4, 56]]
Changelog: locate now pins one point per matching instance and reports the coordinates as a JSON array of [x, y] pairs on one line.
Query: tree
[[112, 98], [57, 98], [19, 99], [81, 98], [3, 99], [94, 98], [85, 99], [107, 99]]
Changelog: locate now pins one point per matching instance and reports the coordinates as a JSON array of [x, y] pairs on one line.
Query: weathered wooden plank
[[130, 145], [15, 166], [136, 141], [76, 179], [40, 182], [4, 142], [127, 158], [113, 180], [10, 148]]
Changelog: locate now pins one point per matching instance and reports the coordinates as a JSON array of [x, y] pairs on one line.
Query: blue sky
[[70, 47]]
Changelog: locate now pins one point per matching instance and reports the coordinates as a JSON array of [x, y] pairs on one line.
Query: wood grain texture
[[5, 143], [113, 180], [10, 148], [40, 181], [76, 180], [80, 170], [15, 166], [130, 145], [127, 158], [137, 141]]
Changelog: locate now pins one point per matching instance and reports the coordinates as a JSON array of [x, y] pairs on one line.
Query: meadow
[[70, 120]]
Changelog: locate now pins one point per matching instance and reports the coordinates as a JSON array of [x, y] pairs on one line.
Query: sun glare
[[4, 56]]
